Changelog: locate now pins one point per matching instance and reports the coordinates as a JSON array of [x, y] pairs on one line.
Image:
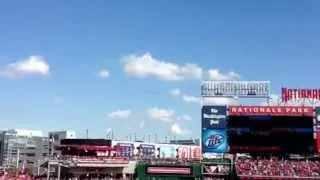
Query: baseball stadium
[[238, 141]]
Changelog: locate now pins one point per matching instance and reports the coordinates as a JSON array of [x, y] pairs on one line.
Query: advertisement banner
[[170, 170], [126, 149], [147, 150], [270, 110], [196, 152], [214, 117], [214, 141]]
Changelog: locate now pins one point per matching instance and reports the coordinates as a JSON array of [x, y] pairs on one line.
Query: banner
[[147, 150], [169, 170], [126, 149], [214, 141], [214, 117], [270, 110]]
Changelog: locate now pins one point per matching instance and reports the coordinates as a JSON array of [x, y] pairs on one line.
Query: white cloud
[[120, 114], [215, 74], [145, 65], [33, 65], [175, 92], [184, 118], [104, 73], [164, 115], [176, 129], [191, 99]]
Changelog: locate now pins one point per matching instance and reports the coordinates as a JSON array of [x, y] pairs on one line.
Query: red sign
[[290, 94], [169, 170], [270, 110]]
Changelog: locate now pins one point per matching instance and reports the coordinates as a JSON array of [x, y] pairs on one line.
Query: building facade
[[23, 148]]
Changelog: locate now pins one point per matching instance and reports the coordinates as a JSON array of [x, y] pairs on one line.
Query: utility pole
[[87, 133]]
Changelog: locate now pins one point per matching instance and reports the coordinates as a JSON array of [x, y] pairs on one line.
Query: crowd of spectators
[[277, 168]]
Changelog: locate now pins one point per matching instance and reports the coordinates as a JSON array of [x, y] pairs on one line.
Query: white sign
[[258, 89]]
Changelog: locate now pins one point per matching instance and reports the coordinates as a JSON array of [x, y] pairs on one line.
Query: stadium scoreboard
[[260, 129]]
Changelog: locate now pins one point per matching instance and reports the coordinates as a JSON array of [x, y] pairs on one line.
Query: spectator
[[275, 167]]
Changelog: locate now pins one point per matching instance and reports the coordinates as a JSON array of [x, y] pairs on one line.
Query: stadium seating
[[277, 169]]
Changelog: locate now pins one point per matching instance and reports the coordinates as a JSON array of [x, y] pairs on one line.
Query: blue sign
[[126, 149], [214, 141], [147, 150], [214, 117]]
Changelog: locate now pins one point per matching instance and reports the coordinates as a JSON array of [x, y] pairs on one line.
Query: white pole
[[59, 171], [18, 159]]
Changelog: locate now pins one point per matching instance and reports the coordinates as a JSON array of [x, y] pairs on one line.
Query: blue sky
[[51, 54]]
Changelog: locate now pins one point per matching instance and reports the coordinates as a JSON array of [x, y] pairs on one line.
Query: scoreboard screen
[[274, 134]]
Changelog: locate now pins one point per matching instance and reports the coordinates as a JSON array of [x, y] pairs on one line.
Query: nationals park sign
[[271, 110], [294, 94]]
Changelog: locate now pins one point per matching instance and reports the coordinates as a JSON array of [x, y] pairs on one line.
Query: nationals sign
[[292, 94], [270, 110]]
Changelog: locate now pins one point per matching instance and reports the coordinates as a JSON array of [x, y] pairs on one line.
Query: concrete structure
[[23, 147], [55, 137]]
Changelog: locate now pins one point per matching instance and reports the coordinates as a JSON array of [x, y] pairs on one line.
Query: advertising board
[[257, 89], [214, 117], [169, 170], [196, 152], [168, 151], [147, 150], [214, 141], [126, 149], [184, 152], [270, 110]]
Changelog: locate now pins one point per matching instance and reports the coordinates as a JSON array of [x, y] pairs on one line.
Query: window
[[30, 154]]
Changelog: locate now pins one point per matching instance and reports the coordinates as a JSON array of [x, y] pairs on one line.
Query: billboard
[[169, 170], [214, 117], [258, 89], [214, 141], [288, 94], [126, 149], [168, 151], [270, 110], [147, 150]]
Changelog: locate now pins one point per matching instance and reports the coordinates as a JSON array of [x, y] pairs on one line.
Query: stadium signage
[[169, 170], [270, 110], [214, 141], [292, 94], [258, 89], [214, 116]]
